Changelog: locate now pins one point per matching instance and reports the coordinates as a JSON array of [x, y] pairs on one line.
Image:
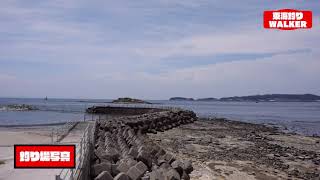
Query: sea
[[297, 117]]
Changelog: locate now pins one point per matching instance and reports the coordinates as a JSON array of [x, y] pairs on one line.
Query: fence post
[[58, 177], [52, 136], [72, 174], [57, 135], [81, 152]]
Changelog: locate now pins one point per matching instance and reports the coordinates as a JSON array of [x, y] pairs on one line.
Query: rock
[[123, 167], [105, 175], [98, 168], [102, 155], [277, 155], [131, 162], [113, 153], [185, 176], [133, 152], [177, 165], [122, 176], [157, 175], [114, 170], [221, 136], [146, 177], [137, 171], [167, 157], [165, 165], [145, 158], [172, 174], [141, 166], [161, 152], [187, 167]]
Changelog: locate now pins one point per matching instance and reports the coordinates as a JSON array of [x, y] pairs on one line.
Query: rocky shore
[[223, 149], [18, 107], [178, 145]]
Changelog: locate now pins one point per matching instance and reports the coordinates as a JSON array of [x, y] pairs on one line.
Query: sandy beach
[[30, 135], [222, 149]]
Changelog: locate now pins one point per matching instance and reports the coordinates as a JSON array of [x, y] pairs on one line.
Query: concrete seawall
[[123, 150], [121, 111]]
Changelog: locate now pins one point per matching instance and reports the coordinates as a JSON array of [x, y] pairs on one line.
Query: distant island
[[208, 99], [181, 99], [274, 97], [128, 100], [259, 98]]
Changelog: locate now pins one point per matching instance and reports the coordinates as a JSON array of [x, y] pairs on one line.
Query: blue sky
[[153, 49]]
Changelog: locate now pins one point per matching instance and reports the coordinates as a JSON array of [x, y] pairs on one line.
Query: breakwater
[[121, 111], [123, 150]]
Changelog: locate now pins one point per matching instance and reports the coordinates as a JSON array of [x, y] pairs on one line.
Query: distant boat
[[46, 98]]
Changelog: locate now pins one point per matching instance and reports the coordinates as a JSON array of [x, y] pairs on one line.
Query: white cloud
[[115, 61]]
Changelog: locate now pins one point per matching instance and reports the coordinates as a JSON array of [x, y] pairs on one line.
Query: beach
[[223, 149], [31, 135]]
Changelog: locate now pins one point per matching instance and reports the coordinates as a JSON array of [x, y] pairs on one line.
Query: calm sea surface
[[301, 117]]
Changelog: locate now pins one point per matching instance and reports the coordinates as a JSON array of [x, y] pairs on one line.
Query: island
[[127, 100], [275, 98], [181, 99], [207, 99], [258, 98]]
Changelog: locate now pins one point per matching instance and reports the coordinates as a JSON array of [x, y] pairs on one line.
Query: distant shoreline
[[258, 98]]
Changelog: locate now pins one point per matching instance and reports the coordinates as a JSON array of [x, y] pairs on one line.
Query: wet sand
[[222, 149]]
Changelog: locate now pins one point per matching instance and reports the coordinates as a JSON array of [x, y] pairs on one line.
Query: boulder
[[105, 175], [122, 176], [157, 175], [144, 156], [187, 167], [98, 168], [133, 152], [123, 167], [185, 176], [114, 170], [137, 171], [178, 166], [172, 174]]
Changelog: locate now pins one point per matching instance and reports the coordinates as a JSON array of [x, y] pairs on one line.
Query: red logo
[[44, 156], [287, 19]]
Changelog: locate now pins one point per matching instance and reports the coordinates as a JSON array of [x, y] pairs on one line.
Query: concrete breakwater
[[121, 111], [123, 150]]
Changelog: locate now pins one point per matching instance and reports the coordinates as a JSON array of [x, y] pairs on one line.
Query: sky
[[154, 49]]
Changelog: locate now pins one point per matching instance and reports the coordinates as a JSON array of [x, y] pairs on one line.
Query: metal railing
[[63, 131], [81, 170]]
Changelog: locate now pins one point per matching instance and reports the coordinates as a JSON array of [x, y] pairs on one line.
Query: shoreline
[[228, 149]]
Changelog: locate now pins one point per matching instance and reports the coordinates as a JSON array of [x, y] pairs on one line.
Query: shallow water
[[301, 117]]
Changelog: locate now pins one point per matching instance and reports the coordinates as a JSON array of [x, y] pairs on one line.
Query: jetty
[[118, 145]]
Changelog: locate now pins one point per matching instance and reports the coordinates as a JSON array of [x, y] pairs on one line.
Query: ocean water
[[300, 117]]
